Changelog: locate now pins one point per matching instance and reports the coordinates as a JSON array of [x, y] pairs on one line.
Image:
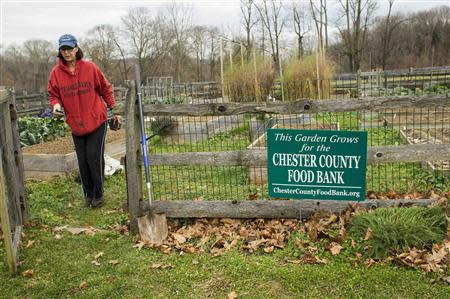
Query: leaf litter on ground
[[217, 236]]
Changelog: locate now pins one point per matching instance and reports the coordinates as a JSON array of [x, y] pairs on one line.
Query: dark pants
[[91, 161]]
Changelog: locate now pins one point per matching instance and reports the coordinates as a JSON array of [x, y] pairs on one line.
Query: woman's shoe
[[97, 202], [87, 202]]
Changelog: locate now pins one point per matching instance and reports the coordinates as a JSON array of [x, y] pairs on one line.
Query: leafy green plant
[[162, 125], [34, 130], [394, 230], [168, 100]]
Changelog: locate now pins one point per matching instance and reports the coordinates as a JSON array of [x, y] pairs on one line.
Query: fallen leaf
[[368, 235], [253, 196], [139, 245], [27, 273], [369, 262], [95, 263], [58, 237], [343, 232], [160, 266], [353, 243], [156, 265], [75, 230], [113, 262], [446, 279], [165, 249], [335, 248], [268, 249], [179, 238], [195, 262], [83, 285], [30, 243], [232, 295], [98, 255]]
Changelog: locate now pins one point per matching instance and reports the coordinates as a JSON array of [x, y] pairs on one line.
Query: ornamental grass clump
[[393, 230], [300, 77], [250, 82]]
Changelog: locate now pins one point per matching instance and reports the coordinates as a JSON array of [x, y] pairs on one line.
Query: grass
[[61, 266], [397, 229]]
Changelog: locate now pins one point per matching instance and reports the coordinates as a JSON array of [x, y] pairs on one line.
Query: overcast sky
[[34, 19]]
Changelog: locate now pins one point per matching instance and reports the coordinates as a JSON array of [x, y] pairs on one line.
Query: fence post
[[133, 167], [5, 224], [358, 83], [18, 158]]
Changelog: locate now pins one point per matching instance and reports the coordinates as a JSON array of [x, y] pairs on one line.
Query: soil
[[432, 116], [65, 145]]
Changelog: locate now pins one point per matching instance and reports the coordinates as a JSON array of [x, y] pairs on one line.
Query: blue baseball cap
[[67, 40]]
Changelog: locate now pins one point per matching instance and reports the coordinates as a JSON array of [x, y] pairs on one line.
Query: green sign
[[316, 164]]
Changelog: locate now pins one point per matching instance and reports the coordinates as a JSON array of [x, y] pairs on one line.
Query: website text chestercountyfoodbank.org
[[316, 192]]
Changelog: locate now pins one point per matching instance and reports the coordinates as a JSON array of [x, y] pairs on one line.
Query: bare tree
[[358, 14], [179, 18], [300, 26], [250, 20], [100, 46], [213, 32], [390, 25], [199, 39], [320, 17], [138, 26], [38, 54], [273, 20], [123, 68]]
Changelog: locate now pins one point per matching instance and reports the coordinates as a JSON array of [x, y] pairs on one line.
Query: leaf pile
[[216, 236], [322, 232]]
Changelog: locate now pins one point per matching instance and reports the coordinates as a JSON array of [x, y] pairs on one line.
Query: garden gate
[[12, 191]]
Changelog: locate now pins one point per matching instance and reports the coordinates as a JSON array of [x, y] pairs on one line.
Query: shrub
[[300, 77], [162, 125], [394, 230], [240, 82]]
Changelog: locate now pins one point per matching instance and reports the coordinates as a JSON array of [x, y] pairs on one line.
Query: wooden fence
[[12, 192], [258, 157], [33, 103]]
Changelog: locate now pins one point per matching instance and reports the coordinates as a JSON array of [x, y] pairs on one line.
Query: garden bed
[[195, 129], [58, 158], [431, 136]]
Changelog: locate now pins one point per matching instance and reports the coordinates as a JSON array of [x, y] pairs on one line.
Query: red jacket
[[82, 95]]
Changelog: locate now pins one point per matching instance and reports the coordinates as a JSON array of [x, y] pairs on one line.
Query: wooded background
[[167, 43]]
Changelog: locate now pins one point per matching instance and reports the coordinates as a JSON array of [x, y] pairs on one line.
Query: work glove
[[114, 120], [58, 112]]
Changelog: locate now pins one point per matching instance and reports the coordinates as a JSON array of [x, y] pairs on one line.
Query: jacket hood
[[63, 66]]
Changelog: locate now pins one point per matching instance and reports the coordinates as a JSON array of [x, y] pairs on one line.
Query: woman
[[79, 90]]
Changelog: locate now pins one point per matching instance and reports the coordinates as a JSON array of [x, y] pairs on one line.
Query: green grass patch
[[61, 266], [235, 139], [398, 229], [60, 202]]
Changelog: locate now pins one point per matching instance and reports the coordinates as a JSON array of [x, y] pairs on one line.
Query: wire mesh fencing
[[389, 127]]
